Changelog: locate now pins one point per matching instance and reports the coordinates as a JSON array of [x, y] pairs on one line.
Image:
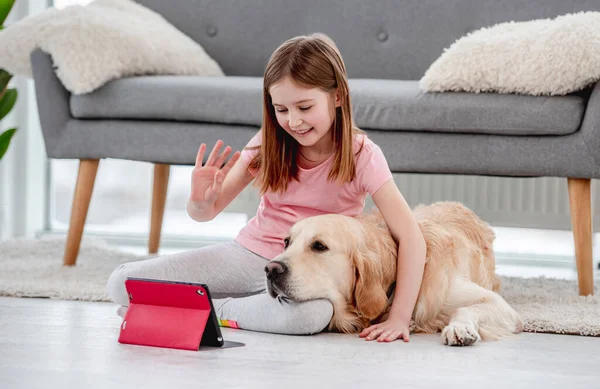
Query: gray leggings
[[236, 279]]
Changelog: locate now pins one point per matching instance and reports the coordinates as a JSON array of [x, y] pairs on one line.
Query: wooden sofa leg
[[581, 220], [159, 197], [81, 202]]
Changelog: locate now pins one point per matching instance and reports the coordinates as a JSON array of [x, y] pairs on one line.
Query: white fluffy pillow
[[538, 57], [104, 40]]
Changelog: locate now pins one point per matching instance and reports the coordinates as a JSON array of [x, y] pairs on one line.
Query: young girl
[[308, 159]]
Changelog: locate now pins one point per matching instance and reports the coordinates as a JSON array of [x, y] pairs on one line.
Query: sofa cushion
[[104, 40], [391, 105], [549, 56]]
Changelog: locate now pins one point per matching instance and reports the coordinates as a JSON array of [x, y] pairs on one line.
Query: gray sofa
[[387, 46]]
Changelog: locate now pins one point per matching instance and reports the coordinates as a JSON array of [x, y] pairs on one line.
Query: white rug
[[33, 268]]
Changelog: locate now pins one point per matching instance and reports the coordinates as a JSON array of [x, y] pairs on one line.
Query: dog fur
[[352, 262]]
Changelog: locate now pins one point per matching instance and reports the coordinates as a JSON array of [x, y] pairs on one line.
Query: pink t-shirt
[[313, 195]]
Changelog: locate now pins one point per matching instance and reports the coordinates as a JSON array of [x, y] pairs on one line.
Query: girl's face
[[305, 113]]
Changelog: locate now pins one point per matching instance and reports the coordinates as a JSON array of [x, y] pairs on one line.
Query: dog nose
[[275, 269]]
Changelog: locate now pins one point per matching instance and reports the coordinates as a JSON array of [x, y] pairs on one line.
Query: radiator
[[504, 202]]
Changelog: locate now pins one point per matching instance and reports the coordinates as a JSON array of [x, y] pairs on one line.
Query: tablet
[[169, 314]]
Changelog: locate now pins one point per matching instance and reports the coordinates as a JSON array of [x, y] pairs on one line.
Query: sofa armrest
[[52, 99], [590, 126]]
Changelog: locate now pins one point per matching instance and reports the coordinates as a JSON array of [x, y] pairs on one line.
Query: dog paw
[[460, 334]]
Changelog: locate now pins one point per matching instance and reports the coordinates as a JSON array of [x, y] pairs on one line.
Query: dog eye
[[318, 246], [286, 242]]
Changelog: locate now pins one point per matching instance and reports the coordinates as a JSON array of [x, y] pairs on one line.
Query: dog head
[[349, 261]]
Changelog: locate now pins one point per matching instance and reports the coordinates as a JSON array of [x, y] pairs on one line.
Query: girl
[[307, 159]]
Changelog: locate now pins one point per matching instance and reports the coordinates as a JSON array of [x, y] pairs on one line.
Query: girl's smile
[[303, 132]]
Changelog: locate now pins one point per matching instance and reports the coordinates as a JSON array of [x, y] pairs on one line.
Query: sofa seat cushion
[[390, 105]]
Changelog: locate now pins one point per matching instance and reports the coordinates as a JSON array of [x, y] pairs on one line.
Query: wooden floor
[[60, 344]]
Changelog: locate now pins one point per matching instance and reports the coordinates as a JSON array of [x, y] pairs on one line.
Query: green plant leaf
[[4, 79], [7, 102], [5, 138], [5, 7]]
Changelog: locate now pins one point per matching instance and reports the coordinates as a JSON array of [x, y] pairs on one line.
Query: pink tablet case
[[169, 314]]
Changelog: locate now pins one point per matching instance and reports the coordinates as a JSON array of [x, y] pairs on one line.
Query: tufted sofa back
[[389, 39]]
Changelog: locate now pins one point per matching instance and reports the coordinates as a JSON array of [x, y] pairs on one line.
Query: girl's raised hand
[[207, 179]]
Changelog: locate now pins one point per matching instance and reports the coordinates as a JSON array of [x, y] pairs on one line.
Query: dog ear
[[370, 297]]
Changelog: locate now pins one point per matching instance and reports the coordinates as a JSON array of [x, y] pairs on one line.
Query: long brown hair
[[312, 61]]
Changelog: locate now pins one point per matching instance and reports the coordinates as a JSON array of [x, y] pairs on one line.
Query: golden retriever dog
[[351, 261]]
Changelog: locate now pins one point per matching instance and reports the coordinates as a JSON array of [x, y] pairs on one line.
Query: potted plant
[[8, 98]]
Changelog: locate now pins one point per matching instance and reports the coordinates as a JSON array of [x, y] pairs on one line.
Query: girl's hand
[[388, 331], [207, 180]]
